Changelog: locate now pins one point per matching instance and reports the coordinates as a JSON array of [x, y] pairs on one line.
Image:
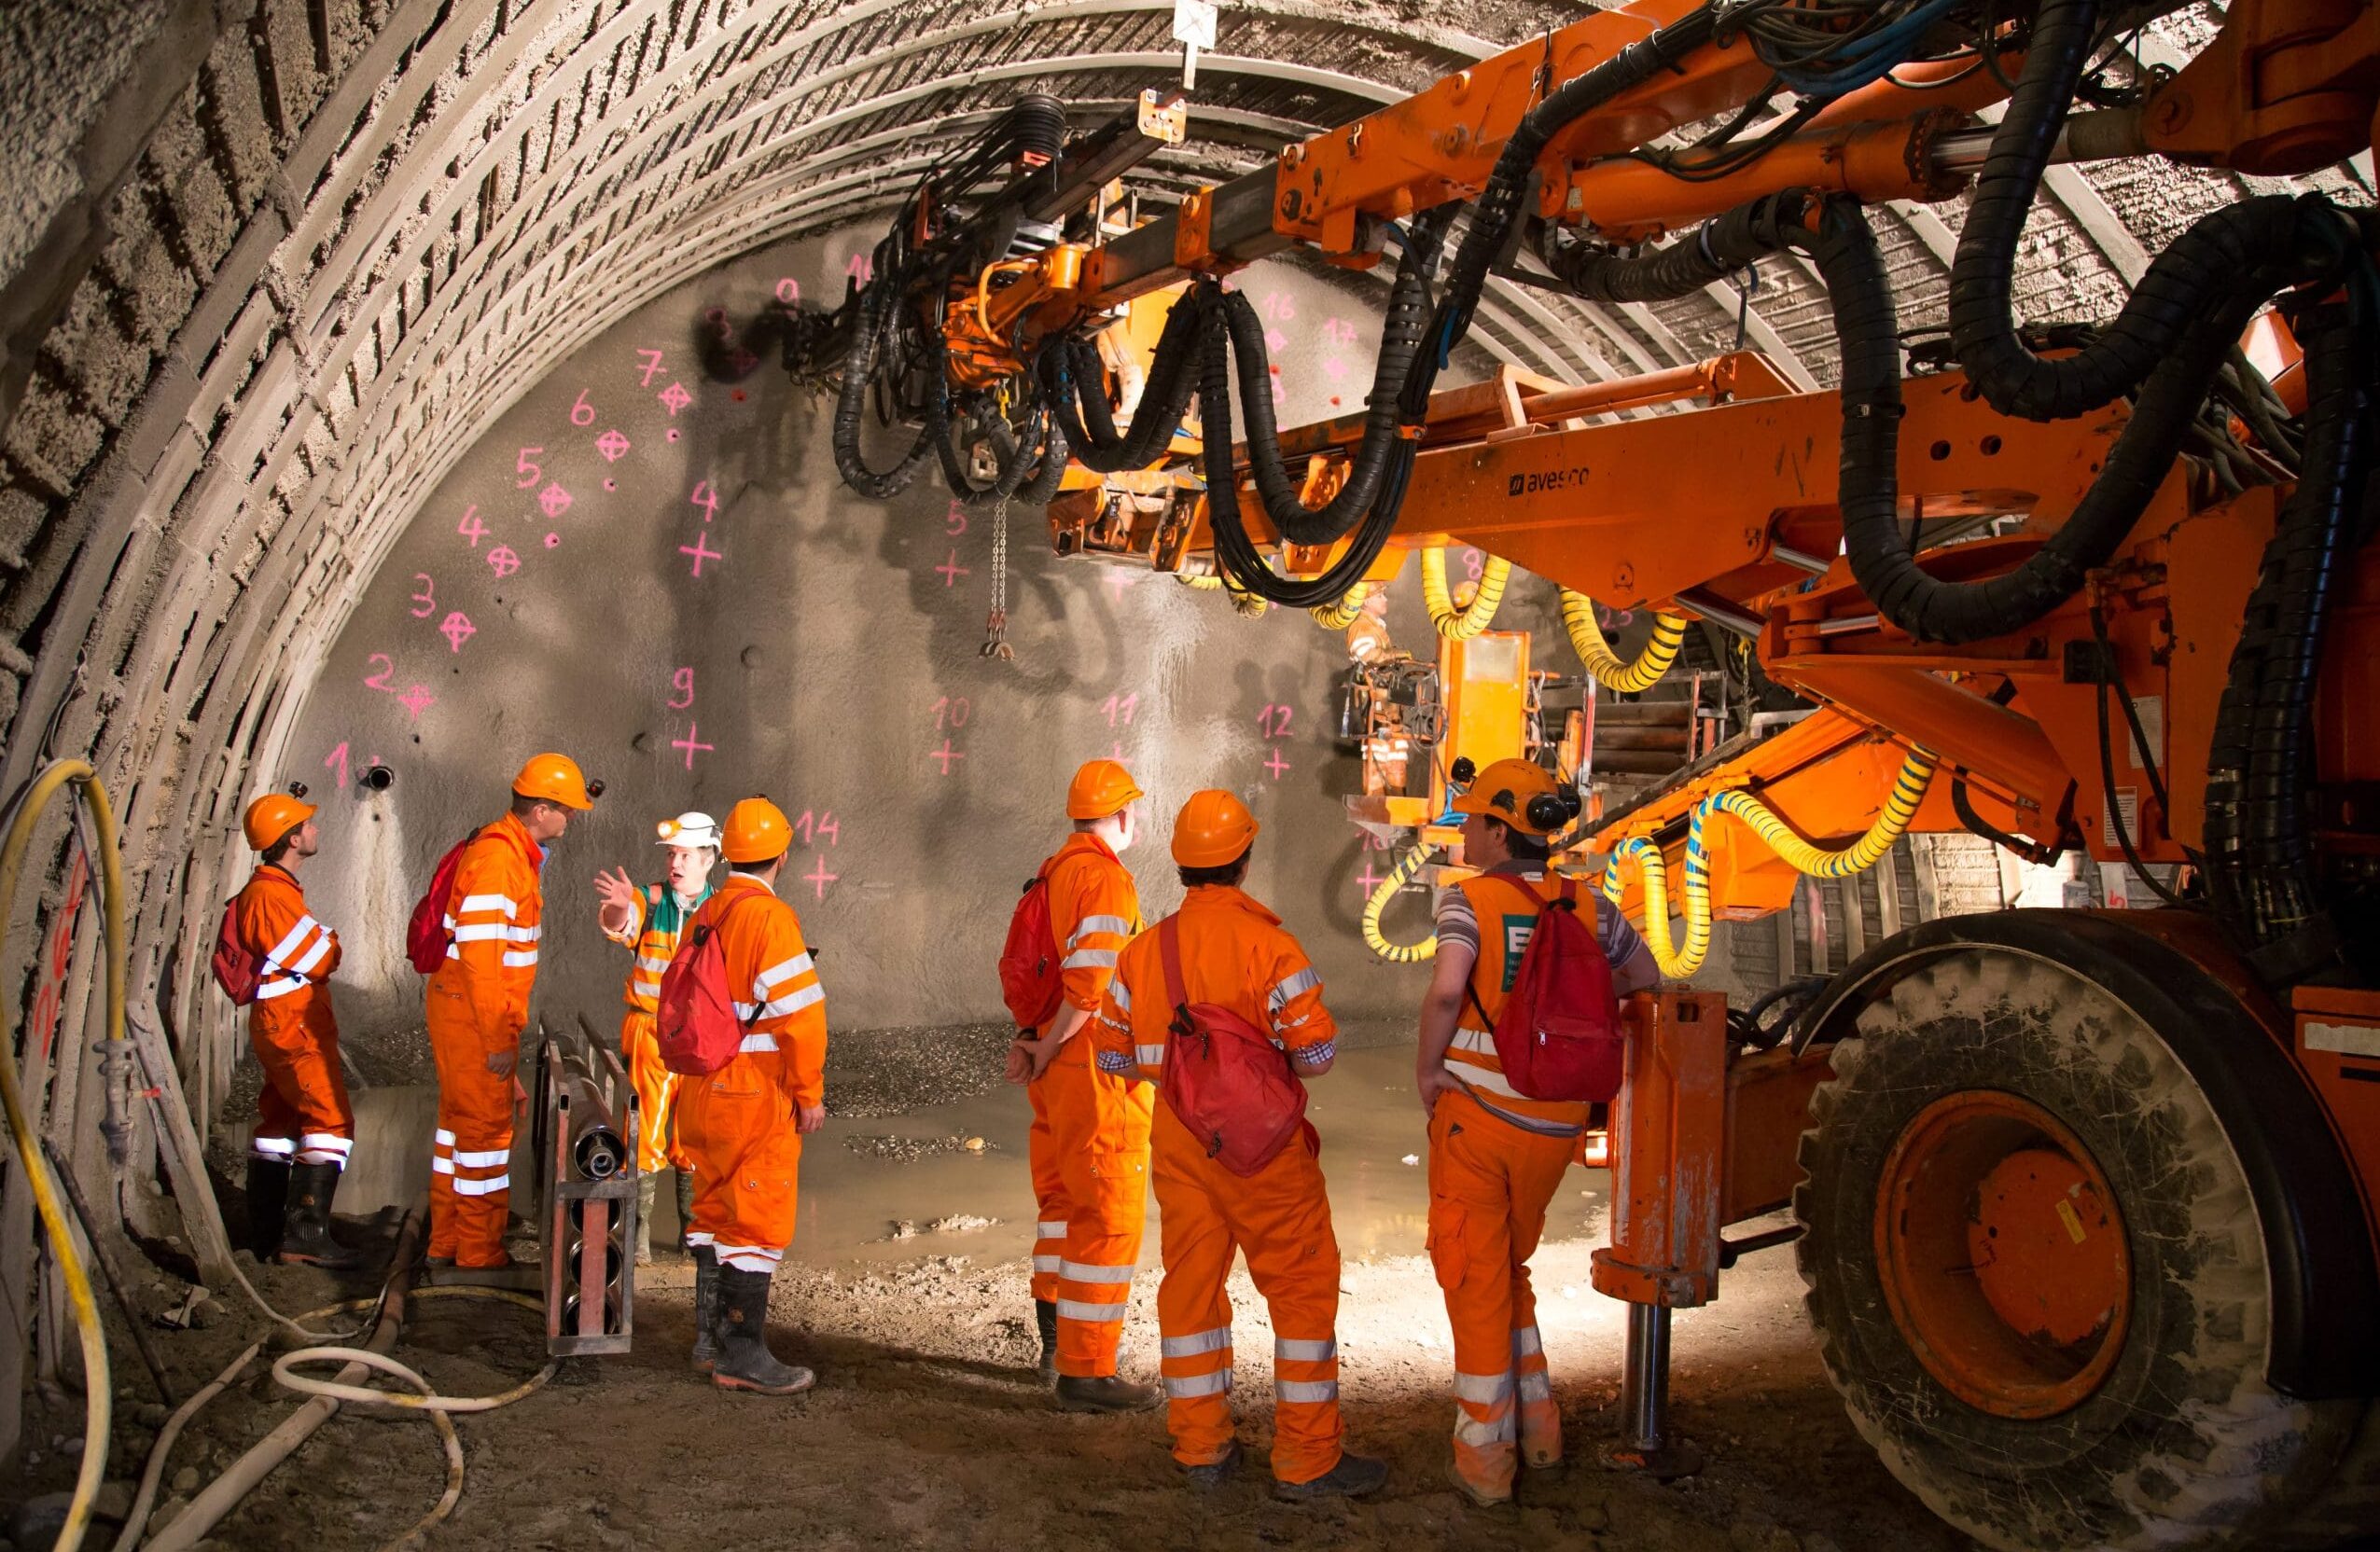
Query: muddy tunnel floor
[[907, 1291]]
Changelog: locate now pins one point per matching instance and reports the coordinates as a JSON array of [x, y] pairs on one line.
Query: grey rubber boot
[[644, 1186], [268, 1201], [707, 1307], [1354, 1476], [305, 1234], [1045, 1320], [744, 1362], [684, 1211]]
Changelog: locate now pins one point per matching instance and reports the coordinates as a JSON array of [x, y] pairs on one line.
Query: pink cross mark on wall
[[675, 397], [1275, 764], [820, 877], [952, 571], [1368, 881], [417, 699], [702, 551], [1118, 579], [555, 500], [946, 755], [612, 445], [689, 744]]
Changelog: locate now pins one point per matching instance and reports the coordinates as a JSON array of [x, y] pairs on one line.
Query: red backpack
[[1030, 982], [427, 936], [1560, 1034], [699, 1031], [238, 971], [1224, 1079]]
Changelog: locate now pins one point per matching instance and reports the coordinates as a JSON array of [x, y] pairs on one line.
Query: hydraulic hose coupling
[[116, 1081]]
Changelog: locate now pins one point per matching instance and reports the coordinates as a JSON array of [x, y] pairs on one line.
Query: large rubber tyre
[[2182, 1447]]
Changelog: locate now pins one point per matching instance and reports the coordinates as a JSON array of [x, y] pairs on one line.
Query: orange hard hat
[[758, 831], [1522, 794], [1100, 788], [1213, 830], [271, 817], [556, 778]]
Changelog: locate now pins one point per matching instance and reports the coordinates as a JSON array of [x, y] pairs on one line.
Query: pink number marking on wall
[[428, 604], [378, 680], [651, 361], [471, 527], [582, 414], [337, 760], [706, 498], [789, 291], [955, 523], [528, 469], [821, 822], [683, 683], [1119, 709]]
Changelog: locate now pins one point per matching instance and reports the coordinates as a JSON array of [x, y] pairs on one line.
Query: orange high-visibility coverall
[[736, 1124], [479, 1005], [1235, 953], [655, 923], [302, 1114], [1496, 1158], [1088, 1144]]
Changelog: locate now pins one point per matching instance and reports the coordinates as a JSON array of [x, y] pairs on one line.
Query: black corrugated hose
[[1492, 218], [1725, 244], [2259, 833], [1848, 261], [850, 404], [1071, 375]]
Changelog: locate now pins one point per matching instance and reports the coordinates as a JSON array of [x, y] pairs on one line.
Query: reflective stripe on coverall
[[737, 1124], [1235, 953], [479, 1005], [655, 923], [1495, 1159], [1089, 1143], [302, 1112]]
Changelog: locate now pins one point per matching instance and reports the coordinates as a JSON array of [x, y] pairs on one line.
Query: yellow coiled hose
[[1339, 615], [1586, 636], [1398, 877], [1461, 625], [1245, 602], [1818, 862]]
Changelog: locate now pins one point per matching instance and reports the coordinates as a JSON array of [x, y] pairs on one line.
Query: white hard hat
[[688, 830]]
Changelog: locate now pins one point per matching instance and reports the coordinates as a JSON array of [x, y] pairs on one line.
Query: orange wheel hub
[[2003, 1255]]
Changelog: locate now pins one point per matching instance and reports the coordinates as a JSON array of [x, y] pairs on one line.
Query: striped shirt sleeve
[[1099, 915], [788, 1004], [1293, 1000], [1457, 923]]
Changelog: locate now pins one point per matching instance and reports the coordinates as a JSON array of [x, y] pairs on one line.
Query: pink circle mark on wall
[[553, 540], [611, 484]]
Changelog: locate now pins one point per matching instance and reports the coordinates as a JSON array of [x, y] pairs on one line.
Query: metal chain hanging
[[996, 624]]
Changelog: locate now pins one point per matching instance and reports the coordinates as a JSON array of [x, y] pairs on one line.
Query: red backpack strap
[[1169, 948]]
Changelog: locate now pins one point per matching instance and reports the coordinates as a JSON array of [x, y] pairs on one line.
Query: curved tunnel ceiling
[[275, 264]]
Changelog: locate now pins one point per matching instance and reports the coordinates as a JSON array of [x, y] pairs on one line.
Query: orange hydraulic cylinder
[[1875, 161], [1668, 1145]]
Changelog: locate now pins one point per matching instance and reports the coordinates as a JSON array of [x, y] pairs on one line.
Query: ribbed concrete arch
[[278, 263]]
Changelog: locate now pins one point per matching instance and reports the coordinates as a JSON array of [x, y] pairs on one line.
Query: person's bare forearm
[[1440, 1013], [1071, 1020], [1640, 974]]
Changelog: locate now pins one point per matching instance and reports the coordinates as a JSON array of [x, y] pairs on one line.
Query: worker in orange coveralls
[[1497, 1156], [304, 1124], [479, 1005], [1089, 1143], [1235, 955], [742, 1125], [650, 922]]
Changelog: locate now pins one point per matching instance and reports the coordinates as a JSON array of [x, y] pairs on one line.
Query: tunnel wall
[[667, 579]]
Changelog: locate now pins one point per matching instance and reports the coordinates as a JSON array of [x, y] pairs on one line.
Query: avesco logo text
[[1547, 480]]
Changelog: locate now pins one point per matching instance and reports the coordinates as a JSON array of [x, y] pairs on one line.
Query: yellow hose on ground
[[98, 1388], [1461, 625], [1818, 862], [1399, 876], [1339, 615], [1610, 670]]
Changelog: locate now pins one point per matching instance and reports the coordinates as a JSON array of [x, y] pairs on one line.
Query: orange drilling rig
[[2084, 1200]]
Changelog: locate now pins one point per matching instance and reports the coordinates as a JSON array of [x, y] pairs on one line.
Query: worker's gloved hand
[[1432, 1080]]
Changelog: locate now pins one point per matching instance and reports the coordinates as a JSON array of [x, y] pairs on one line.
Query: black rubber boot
[[684, 1211], [1354, 1476], [305, 1236], [1107, 1393], [707, 1307], [744, 1362], [268, 1199], [1045, 1320], [644, 1186], [1208, 1479]]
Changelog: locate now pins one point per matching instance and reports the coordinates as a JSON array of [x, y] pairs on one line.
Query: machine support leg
[[1646, 1442]]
